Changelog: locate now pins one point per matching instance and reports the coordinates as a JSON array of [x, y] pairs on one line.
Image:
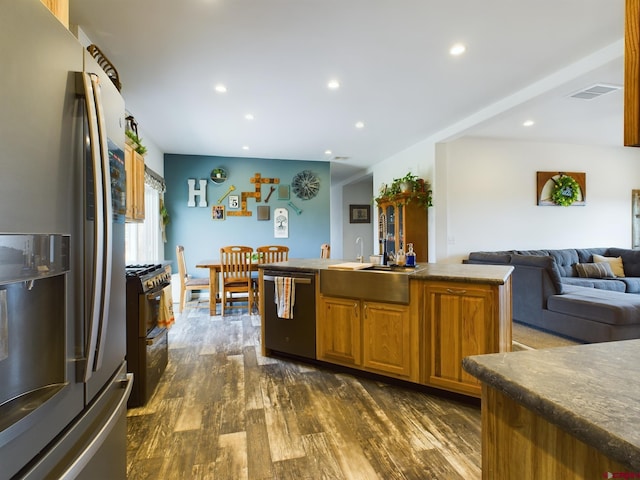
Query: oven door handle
[[156, 338], [156, 292]]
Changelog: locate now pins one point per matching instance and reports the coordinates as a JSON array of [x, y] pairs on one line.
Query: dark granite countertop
[[591, 391], [489, 274], [457, 272]]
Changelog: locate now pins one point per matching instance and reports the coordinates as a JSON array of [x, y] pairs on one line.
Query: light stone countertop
[[591, 391], [468, 273]]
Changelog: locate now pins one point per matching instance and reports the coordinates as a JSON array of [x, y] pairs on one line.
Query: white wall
[[154, 158], [487, 197]]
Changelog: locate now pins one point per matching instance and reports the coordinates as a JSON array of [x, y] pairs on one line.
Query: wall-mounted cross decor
[[258, 180]]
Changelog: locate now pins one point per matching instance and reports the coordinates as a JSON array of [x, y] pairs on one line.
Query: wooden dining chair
[[272, 253], [325, 250], [268, 254], [235, 264], [186, 282]]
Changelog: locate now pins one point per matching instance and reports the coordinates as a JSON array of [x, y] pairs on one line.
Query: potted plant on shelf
[[135, 141], [406, 189]]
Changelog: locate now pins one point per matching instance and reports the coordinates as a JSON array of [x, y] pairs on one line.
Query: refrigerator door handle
[[98, 227], [87, 454], [106, 217]]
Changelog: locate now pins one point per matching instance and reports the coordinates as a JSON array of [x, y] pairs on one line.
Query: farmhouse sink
[[373, 283], [391, 269]]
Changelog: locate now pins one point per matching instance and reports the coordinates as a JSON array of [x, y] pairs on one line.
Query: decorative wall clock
[[305, 184]]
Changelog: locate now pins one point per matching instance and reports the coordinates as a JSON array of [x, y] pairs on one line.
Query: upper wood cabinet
[[406, 222], [60, 8], [134, 170]]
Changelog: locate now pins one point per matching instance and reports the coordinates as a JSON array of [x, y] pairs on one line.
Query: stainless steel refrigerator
[[63, 381]]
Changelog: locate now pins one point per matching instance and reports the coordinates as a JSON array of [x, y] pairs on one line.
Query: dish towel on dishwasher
[[285, 296]]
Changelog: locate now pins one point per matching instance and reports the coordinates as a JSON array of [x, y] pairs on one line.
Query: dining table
[[215, 267]]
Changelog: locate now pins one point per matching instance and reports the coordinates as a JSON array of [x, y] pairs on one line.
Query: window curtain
[[144, 240]]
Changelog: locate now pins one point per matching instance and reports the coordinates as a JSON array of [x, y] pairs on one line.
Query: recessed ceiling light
[[328, 152], [359, 124], [245, 147], [457, 49], [528, 123], [333, 85], [249, 116], [220, 88]]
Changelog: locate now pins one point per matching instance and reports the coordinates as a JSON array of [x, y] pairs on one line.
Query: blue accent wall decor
[[202, 236]]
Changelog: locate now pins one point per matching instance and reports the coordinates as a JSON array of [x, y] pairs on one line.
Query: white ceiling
[[390, 56]]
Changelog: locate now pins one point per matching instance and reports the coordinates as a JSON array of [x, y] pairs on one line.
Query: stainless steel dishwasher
[[297, 335]]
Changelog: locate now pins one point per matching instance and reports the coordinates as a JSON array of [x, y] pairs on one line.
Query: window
[[143, 241]]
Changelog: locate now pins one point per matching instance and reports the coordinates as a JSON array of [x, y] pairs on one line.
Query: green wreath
[[565, 191]]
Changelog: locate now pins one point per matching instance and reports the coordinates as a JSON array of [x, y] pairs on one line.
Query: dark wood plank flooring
[[222, 411]]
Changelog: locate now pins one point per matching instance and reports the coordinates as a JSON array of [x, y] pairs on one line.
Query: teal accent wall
[[202, 237]]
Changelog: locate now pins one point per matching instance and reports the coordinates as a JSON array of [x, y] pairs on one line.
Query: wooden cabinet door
[[461, 323], [60, 8], [339, 334], [134, 171], [386, 333], [129, 171], [138, 206]]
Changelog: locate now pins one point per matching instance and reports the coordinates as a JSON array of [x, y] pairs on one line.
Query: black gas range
[[146, 277], [147, 339]]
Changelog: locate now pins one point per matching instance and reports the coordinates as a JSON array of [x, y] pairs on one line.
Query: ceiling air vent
[[340, 159], [594, 91]]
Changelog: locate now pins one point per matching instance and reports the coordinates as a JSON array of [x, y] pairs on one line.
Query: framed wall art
[[283, 192], [359, 213], [561, 188], [264, 212], [217, 212]]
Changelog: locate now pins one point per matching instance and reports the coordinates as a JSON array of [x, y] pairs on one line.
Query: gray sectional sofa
[[566, 292]]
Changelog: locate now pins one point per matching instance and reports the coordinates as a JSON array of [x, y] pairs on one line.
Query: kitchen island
[[410, 324], [569, 412]]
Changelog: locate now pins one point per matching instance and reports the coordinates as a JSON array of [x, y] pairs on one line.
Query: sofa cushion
[[586, 254], [594, 270], [565, 261], [615, 262], [535, 253], [547, 262], [630, 260], [614, 308], [611, 284], [632, 284], [490, 257]]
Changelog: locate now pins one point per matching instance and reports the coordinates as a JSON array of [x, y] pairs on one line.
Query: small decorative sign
[[281, 223], [234, 201]]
